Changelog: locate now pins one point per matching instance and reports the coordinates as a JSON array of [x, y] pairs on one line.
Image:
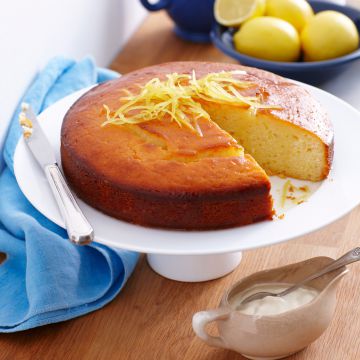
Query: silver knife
[[78, 228]]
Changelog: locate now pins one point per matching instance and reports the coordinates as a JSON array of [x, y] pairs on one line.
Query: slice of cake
[[186, 167]]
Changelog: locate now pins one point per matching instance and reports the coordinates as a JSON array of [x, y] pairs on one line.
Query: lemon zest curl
[[177, 99]]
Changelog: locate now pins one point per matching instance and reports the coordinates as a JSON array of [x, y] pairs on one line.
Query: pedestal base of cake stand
[[194, 268]]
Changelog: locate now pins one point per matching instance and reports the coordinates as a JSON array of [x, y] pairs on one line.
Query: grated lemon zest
[[177, 99]]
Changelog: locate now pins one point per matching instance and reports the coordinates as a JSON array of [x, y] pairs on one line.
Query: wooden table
[[151, 318]]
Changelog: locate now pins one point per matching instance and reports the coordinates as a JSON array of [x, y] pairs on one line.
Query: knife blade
[[78, 228], [37, 141]]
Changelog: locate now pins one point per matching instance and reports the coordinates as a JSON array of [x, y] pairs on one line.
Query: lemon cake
[[204, 161]]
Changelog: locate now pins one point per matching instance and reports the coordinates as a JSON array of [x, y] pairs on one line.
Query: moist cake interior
[[279, 148]]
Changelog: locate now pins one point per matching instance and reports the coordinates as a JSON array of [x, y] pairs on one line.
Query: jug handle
[[202, 318], [161, 4]]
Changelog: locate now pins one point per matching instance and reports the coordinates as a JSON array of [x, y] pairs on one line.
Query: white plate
[[330, 199]]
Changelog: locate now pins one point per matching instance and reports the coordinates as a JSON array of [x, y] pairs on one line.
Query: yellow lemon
[[235, 12], [296, 12], [268, 38], [329, 34]]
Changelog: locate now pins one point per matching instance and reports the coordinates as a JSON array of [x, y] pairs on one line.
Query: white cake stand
[[204, 255]]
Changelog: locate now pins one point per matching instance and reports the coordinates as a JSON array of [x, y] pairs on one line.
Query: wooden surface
[[151, 318]]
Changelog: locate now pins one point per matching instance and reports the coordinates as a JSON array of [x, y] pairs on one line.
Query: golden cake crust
[[159, 174]]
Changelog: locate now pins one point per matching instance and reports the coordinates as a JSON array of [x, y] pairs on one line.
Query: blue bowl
[[309, 72]]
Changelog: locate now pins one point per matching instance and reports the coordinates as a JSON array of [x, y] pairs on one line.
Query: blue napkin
[[45, 279]]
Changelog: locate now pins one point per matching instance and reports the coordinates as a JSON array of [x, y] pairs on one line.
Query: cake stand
[[204, 255]]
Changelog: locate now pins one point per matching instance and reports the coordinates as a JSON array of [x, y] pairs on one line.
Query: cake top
[[276, 95]]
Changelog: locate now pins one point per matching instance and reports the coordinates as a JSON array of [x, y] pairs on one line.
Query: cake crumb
[[27, 133], [304, 188], [25, 123]]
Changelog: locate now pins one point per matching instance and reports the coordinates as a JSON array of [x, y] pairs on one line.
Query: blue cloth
[[45, 279]]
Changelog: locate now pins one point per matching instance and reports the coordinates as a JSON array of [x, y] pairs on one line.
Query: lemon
[[296, 12], [329, 34], [268, 38], [235, 12]]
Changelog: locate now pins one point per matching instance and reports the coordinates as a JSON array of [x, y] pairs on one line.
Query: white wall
[[32, 31]]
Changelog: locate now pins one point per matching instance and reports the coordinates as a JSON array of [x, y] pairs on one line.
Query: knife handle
[[78, 228]]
